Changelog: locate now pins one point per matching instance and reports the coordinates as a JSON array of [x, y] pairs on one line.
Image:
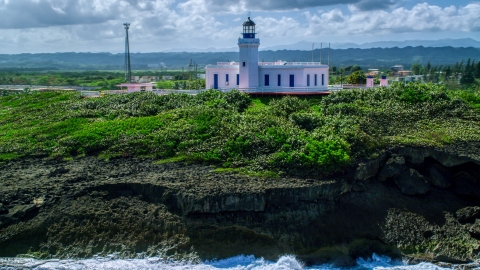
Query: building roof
[[278, 64], [249, 22]]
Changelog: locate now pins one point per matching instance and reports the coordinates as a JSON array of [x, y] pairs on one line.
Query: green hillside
[[368, 58], [233, 131]]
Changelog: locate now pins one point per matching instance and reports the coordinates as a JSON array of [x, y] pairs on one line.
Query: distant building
[[250, 75], [139, 83], [136, 87], [372, 72], [411, 78], [395, 69], [398, 70], [144, 79]]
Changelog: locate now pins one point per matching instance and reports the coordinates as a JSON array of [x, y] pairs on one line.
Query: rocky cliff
[[421, 202]]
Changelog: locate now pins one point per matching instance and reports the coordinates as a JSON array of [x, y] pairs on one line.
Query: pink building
[[136, 87], [384, 81], [370, 82]]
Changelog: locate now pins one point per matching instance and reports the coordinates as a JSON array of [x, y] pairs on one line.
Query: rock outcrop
[[421, 202]]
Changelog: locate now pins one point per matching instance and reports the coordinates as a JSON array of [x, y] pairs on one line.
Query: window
[[279, 80], [226, 78], [267, 80], [308, 79], [244, 63], [323, 79], [316, 80], [238, 79]]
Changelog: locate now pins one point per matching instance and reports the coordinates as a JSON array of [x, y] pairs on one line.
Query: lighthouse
[[250, 76], [248, 56]]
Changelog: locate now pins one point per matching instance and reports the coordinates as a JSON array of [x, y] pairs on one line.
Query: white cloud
[[421, 18], [242, 6], [96, 25]]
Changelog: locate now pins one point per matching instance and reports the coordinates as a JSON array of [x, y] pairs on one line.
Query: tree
[[355, 68], [356, 77], [416, 69], [477, 70], [467, 74], [447, 72]]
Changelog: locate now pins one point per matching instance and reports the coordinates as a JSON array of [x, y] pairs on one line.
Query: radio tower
[[128, 67]]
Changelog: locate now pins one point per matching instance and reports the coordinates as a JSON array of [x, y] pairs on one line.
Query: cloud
[[156, 25], [242, 6], [43, 13], [17, 14], [374, 4], [421, 18]]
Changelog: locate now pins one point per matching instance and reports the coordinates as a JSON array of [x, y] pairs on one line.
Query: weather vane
[[249, 13]]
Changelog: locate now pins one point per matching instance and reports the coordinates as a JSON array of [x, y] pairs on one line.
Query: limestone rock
[[412, 182], [465, 184], [359, 187], [366, 170], [3, 209], [394, 166], [20, 211], [418, 155], [468, 214], [440, 177]]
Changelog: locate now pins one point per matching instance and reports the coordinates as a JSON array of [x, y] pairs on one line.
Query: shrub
[[288, 105], [291, 135]]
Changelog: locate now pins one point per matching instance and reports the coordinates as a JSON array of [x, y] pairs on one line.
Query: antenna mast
[[313, 48], [128, 67], [328, 53], [321, 47], [190, 68]]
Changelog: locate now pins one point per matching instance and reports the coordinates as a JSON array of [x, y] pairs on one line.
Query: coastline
[[87, 206]]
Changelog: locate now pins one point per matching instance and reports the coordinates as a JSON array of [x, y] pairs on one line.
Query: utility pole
[[321, 47], [196, 70], [128, 67], [190, 69], [328, 53], [313, 48]]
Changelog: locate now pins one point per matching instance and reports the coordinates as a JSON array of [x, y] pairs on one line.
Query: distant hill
[[307, 45], [367, 58]]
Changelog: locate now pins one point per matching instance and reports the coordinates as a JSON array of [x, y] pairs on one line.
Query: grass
[[172, 160], [260, 136]]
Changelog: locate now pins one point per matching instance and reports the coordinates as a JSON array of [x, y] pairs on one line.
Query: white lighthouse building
[[251, 76]]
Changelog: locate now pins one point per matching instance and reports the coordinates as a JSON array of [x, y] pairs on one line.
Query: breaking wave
[[235, 263]]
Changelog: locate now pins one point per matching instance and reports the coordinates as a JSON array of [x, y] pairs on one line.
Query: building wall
[[300, 74], [232, 72]]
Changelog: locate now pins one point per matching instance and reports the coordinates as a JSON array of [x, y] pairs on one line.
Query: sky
[[47, 26]]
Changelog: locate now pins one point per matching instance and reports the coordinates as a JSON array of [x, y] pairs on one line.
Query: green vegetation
[[104, 80], [276, 135], [181, 84]]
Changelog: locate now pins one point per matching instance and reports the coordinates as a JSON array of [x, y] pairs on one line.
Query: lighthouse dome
[[249, 22]]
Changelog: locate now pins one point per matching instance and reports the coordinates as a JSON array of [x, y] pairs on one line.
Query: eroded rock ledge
[[421, 202]]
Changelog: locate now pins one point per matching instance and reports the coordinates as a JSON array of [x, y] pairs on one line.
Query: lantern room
[[248, 29]]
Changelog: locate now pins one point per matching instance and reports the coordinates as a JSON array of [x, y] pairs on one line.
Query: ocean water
[[234, 263]]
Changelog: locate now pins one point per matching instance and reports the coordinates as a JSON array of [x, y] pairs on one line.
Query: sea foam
[[241, 262]]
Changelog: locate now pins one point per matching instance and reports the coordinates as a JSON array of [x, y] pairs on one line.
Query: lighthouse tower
[[248, 56]]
